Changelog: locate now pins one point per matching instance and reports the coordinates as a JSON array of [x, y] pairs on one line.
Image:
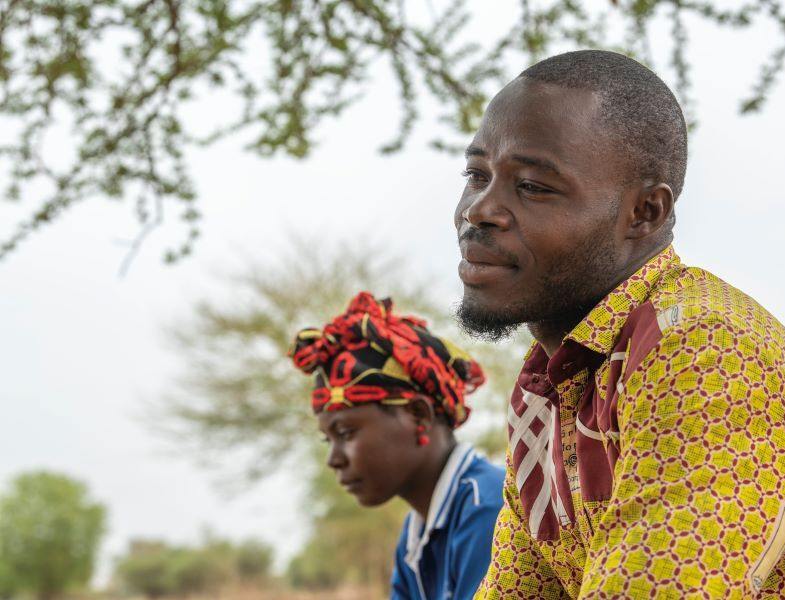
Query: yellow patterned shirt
[[647, 455]]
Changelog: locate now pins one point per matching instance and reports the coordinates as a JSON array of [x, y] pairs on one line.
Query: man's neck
[[551, 333]]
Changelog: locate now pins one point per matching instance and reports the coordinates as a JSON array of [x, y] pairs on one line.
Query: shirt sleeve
[[517, 568], [698, 486]]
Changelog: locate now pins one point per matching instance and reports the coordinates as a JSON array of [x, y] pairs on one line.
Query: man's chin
[[486, 321]]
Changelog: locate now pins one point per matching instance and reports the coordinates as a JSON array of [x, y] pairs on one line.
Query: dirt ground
[[349, 593], [344, 594]]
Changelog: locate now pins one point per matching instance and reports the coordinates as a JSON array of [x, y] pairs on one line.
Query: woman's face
[[373, 451]]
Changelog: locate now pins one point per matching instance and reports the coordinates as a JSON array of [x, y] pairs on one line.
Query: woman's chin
[[370, 500]]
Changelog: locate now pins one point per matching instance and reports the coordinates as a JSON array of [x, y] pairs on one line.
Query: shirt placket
[[570, 391]]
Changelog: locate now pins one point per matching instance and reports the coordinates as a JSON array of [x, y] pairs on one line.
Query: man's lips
[[479, 254], [481, 265]]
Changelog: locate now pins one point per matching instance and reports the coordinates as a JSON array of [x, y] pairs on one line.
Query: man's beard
[[489, 326], [575, 283]]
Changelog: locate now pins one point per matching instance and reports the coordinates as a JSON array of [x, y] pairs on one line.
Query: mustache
[[484, 237]]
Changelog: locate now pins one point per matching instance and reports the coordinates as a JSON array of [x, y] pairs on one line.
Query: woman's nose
[[336, 459]]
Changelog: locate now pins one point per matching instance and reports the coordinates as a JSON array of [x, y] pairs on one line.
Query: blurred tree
[[49, 534], [240, 400], [121, 74]]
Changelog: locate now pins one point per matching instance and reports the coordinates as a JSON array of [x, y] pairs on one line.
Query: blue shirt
[[448, 555]]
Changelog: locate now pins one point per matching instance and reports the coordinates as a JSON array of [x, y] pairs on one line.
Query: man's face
[[538, 222], [373, 451]]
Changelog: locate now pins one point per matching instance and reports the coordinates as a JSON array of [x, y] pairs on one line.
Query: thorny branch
[[126, 115]]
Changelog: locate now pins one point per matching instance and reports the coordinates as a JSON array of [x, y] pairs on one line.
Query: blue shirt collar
[[419, 533]]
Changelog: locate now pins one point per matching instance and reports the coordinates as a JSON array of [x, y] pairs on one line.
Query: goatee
[[486, 325]]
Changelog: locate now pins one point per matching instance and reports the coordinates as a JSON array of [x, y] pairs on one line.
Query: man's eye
[[528, 186], [472, 175]]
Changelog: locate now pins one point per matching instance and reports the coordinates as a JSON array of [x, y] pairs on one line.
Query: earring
[[422, 439]]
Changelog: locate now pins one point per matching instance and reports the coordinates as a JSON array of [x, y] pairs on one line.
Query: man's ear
[[652, 210], [422, 412]]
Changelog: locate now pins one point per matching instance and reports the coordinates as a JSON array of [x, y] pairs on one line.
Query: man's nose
[[488, 208]]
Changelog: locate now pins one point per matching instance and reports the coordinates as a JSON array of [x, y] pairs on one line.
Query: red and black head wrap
[[369, 354]]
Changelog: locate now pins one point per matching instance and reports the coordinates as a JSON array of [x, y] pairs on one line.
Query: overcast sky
[[82, 350]]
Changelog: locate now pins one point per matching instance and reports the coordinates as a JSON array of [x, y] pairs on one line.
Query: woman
[[388, 395]]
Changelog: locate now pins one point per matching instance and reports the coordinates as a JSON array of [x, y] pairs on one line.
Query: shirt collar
[[600, 328], [419, 533], [593, 338]]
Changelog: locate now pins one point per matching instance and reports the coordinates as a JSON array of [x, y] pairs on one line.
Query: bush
[[253, 561], [147, 569], [155, 569], [203, 570], [49, 535]]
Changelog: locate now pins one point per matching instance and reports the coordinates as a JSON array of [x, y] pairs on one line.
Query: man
[[647, 427], [388, 394]]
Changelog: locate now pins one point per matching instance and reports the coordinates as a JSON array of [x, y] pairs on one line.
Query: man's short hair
[[637, 108]]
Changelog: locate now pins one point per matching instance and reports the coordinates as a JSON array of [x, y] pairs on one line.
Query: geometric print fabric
[[683, 387], [371, 354]]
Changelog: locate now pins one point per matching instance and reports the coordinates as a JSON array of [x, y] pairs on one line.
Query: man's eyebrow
[[542, 163], [474, 151]]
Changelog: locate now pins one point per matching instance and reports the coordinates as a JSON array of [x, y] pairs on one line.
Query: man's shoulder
[[693, 312], [693, 297]]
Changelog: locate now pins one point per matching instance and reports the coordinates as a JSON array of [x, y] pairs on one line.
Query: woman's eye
[[344, 434]]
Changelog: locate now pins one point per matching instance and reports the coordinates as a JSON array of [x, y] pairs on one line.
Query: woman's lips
[[352, 486], [480, 273]]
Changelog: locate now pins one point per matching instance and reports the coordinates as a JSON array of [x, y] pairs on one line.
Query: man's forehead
[[525, 91], [534, 114]]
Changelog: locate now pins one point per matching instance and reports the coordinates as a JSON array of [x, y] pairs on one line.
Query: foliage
[[7, 586], [147, 569], [118, 77], [204, 570], [253, 561], [156, 569], [49, 534]]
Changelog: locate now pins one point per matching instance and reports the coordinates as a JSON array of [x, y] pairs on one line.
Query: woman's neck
[[420, 491]]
